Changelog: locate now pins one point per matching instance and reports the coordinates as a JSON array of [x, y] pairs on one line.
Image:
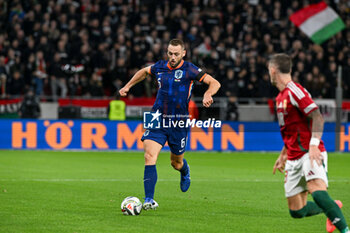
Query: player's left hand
[[315, 155], [207, 100]]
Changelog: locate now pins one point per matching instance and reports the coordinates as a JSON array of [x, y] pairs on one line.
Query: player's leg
[[299, 207], [331, 208], [152, 150], [296, 205], [153, 141], [179, 163], [296, 192], [177, 140], [317, 184]]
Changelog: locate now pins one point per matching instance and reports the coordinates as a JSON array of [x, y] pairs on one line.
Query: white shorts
[[298, 172]]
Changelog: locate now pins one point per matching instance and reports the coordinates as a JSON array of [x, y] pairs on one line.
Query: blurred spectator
[[3, 84], [40, 73], [30, 107], [15, 84], [57, 78], [325, 88], [232, 109], [95, 85], [346, 80], [205, 47], [3, 76], [229, 86], [116, 110], [253, 86], [118, 75], [265, 88]]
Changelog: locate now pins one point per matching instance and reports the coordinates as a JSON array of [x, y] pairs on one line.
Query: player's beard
[[176, 64]]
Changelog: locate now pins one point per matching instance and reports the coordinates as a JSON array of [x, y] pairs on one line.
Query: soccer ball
[[131, 206]]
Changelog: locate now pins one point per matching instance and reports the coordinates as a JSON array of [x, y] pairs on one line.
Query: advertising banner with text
[[126, 135]]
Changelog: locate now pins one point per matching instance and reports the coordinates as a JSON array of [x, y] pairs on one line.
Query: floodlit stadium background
[[67, 167]]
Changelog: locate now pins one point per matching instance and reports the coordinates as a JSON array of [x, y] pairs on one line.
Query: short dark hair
[[282, 61], [176, 42]]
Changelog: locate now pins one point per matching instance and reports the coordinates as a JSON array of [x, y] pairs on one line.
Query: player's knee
[[297, 213], [149, 159], [177, 165], [316, 185]]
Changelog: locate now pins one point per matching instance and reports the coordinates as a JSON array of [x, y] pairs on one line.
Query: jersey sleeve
[[153, 69], [196, 73], [301, 98]]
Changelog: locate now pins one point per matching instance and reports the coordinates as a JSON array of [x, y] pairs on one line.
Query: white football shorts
[[299, 172]]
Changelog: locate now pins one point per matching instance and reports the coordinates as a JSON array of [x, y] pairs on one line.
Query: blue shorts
[[177, 138]]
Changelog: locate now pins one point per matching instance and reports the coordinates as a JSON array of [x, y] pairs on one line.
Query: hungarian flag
[[318, 21]]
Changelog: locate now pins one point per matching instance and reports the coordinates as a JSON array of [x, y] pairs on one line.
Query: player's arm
[[317, 131], [308, 107], [281, 161], [214, 86], [317, 124], [138, 77]]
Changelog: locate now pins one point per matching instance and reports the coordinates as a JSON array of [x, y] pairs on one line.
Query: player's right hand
[[124, 91], [279, 164], [315, 155]]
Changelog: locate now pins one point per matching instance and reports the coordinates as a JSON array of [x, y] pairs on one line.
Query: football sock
[[310, 209], [150, 180], [313, 209], [298, 213], [184, 169], [331, 209]]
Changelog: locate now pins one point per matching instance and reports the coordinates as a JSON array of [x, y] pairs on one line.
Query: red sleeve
[[301, 98]]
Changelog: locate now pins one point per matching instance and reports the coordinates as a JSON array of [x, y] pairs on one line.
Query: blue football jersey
[[175, 86]]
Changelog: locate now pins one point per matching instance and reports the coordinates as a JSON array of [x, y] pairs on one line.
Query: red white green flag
[[318, 21]]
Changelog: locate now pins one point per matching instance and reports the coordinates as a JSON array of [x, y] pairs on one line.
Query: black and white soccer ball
[[131, 206]]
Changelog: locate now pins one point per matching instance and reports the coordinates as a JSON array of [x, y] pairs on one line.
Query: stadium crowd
[[42, 42]]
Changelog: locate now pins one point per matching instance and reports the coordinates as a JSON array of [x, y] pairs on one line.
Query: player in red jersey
[[303, 157]]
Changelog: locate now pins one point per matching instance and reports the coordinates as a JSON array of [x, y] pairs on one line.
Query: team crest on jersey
[[178, 75]]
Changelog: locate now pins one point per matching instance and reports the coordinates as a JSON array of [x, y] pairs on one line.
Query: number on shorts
[[183, 142]]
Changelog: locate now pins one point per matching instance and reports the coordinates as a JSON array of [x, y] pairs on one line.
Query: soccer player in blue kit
[[175, 80]]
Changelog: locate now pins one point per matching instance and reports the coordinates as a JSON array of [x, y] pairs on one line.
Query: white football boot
[[150, 204]]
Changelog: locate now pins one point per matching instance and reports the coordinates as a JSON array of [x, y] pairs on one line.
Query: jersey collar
[[177, 67]]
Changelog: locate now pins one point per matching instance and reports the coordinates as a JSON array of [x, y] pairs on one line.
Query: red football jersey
[[294, 104]]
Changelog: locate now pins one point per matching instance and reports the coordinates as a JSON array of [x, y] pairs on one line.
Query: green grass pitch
[[44, 191]]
